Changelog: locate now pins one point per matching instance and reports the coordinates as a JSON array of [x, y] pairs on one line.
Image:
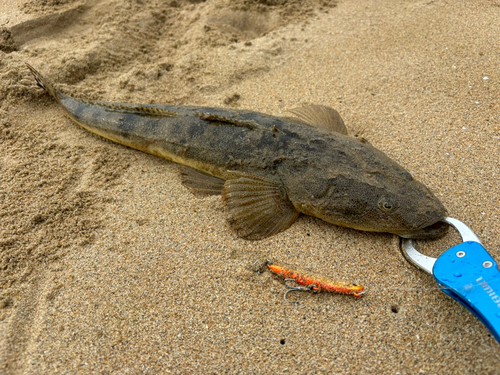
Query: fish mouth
[[435, 230]]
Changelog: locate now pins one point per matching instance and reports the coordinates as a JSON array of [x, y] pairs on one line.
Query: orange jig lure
[[314, 283]]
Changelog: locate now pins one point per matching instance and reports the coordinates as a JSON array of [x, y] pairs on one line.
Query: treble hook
[[310, 288]]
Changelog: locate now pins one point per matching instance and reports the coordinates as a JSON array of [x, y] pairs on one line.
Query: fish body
[[269, 169]]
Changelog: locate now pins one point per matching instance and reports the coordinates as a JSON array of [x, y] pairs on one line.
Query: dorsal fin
[[321, 116], [249, 124], [138, 109]]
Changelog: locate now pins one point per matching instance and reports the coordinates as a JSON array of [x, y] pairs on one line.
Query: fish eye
[[386, 206]]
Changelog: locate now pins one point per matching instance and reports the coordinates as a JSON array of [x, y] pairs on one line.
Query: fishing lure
[[312, 283]]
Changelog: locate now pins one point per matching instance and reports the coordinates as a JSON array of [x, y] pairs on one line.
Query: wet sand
[[109, 265]]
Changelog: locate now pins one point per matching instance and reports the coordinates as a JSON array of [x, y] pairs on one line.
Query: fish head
[[362, 188]]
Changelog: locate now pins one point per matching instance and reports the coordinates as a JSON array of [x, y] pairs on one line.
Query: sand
[[109, 265]]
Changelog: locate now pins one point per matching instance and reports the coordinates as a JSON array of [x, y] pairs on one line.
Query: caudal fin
[[44, 84]]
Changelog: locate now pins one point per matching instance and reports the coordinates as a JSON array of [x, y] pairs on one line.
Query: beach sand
[[109, 265]]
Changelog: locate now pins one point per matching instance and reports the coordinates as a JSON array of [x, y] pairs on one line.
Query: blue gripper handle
[[469, 274]]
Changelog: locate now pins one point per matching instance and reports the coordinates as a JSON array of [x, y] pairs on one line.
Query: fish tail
[[44, 84]]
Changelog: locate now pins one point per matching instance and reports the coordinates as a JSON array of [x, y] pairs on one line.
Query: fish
[[270, 169]]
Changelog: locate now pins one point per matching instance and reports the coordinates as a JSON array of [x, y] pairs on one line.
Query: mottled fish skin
[[295, 167]]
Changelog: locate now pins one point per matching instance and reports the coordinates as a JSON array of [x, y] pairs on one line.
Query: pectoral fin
[[321, 116], [200, 183], [259, 207]]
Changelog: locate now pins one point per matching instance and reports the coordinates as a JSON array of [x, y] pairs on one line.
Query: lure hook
[[292, 288]]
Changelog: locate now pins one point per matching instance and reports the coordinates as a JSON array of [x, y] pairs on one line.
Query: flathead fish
[[269, 169]]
